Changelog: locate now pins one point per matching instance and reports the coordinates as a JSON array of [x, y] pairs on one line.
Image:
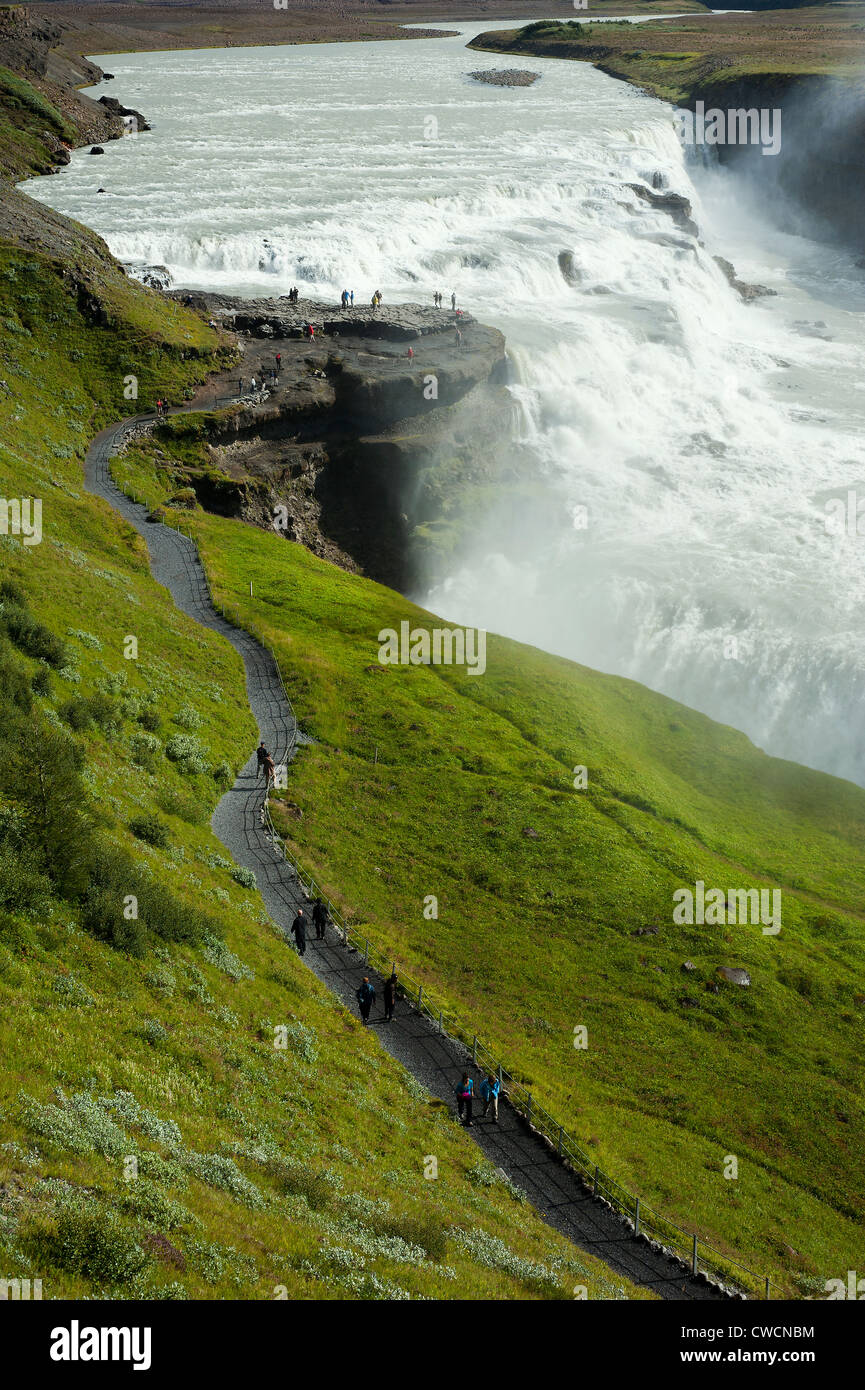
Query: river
[[692, 441]]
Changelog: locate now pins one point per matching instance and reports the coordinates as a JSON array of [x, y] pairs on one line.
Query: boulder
[[734, 974], [688, 965], [96, 149], [571, 273]]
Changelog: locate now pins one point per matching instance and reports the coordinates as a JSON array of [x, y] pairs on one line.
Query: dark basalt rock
[[97, 149], [676, 204], [118, 109], [748, 292], [156, 277]]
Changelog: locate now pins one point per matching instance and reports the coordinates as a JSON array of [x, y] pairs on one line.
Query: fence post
[[475, 1050], [529, 1109], [595, 1185], [419, 996], [768, 1294], [561, 1136], [694, 1257], [637, 1218], [344, 934], [366, 952], [441, 1027]]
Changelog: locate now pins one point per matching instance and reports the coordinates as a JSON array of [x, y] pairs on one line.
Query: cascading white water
[[701, 436]]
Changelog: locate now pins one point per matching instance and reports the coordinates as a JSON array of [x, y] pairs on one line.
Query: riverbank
[[127, 28], [685, 59], [805, 64]]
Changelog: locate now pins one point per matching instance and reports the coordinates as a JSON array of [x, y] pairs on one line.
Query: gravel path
[[435, 1060]]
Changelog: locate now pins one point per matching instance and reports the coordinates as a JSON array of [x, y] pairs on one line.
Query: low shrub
[[151, 830], [94, 1245]]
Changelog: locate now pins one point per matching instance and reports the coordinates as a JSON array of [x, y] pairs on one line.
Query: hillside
[[151, 1039], [555, 905], [262, 1167]]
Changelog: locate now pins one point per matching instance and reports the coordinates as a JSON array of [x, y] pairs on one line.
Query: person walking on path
[[459, 339], [490, 1096], [263, 758], [298, 929], [365, 998], [464, 1093], [389, 998], [279, 362], [319, 919]]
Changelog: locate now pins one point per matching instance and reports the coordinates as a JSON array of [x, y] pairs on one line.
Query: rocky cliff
[[372, 457]]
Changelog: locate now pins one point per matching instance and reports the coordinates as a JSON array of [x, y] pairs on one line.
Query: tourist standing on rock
[[252, 384], [240, 386], [490, 1095], [279, 361], [365, 998], [389, 998], [319, 918], [411, 353], [453, 302], [351, 297], [464, 1093], [459, 339], [298, 928]]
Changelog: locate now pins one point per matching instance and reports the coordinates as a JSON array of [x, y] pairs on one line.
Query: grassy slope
[[330, 1133], [536, 935], [676, 59]]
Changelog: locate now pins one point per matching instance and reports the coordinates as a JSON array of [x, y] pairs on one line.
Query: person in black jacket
[[319, 918], [298, 928], [389, 998]]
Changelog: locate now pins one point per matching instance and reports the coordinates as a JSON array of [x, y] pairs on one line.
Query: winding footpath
[[434, 1059]]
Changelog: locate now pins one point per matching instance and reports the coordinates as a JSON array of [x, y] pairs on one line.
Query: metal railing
[[697, 1255]]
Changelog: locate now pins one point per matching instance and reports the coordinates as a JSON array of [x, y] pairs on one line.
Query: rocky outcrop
[[369, 457], [676, 204], [747, 292], [132, 119]]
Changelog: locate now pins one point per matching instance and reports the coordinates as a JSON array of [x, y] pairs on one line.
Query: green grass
[[261, 1170], [541, 889]]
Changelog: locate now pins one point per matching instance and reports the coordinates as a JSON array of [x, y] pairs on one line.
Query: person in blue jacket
[[464, 1093], [365, 998], [490, 1096]]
